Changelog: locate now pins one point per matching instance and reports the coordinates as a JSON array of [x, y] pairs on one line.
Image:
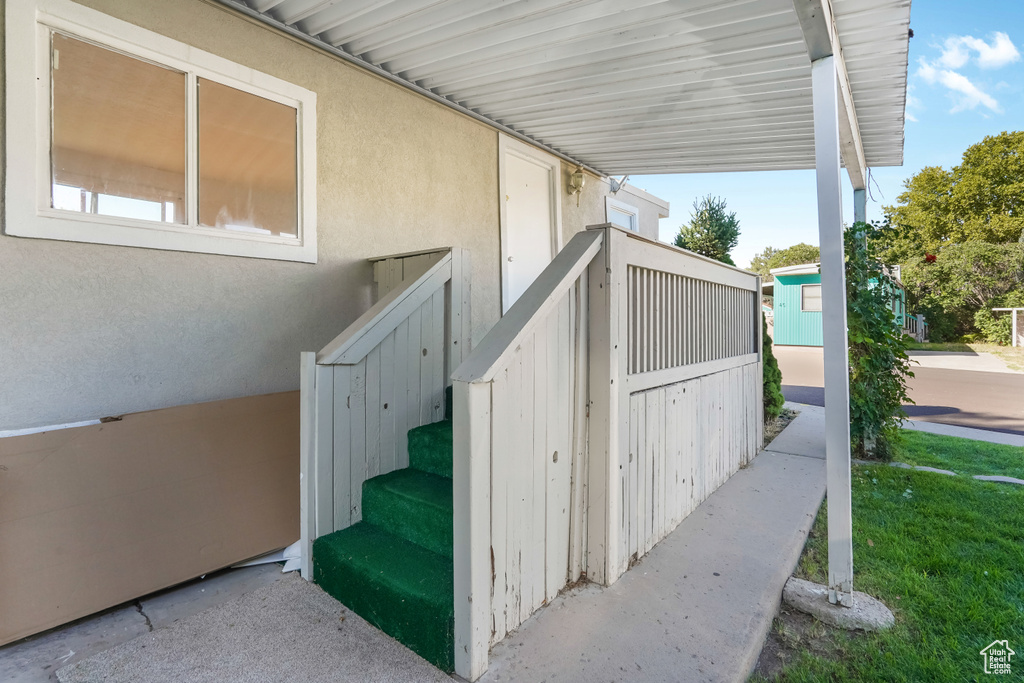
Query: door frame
[[509, 145]]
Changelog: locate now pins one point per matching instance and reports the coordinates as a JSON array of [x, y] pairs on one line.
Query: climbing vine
[[879, 364]]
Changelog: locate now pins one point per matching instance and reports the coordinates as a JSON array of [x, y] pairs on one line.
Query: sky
[[965, 81]]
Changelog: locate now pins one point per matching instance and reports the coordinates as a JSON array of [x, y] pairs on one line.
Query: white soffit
[[628, 86]]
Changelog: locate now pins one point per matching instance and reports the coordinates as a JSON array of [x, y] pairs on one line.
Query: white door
[[529, 216]]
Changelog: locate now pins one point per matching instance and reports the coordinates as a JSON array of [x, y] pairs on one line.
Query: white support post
[[472, 527], [1014, 340], [604, 557], [307, 462], [860, 205], [825, 94]]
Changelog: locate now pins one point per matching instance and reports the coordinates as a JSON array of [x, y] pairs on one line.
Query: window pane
[[247, 162], [811, 298], [621, 218], [118, 134]]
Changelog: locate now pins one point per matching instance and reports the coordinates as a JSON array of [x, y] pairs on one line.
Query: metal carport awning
[[631, 86]]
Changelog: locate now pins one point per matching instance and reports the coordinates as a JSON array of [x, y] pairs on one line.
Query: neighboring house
[[197, 192], [796, 292]]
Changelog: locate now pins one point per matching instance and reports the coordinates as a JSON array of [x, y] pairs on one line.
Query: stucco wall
[[94, 330]]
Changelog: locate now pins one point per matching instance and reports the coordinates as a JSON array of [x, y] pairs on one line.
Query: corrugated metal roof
[[629, 86]]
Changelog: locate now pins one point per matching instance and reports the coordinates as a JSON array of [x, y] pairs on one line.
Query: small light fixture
[[576, 182]]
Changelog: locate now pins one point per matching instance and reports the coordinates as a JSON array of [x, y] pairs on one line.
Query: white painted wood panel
[[389, 272], [685, 440]]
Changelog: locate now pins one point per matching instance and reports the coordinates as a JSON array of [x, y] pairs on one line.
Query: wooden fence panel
[[686, 440]]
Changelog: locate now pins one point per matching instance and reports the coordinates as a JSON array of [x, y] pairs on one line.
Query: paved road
[[984, 400]]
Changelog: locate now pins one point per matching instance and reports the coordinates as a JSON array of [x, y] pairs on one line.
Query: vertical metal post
[[860, 205], [825, 95]]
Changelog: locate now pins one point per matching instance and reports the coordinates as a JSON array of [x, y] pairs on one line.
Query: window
[[810, 297], [139, 140], [622, 214]]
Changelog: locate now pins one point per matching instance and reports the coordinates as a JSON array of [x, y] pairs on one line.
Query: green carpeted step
[[399, 587], [413, 505], [430, 448]]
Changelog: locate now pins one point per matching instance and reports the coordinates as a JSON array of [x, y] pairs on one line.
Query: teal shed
[[797, 305], [796, 291]]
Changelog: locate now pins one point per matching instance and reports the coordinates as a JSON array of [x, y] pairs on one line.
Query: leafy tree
[[771, 258], [958, 233], [982, 199], [879, 364], [711, 231], [772, 376], [963, 280]]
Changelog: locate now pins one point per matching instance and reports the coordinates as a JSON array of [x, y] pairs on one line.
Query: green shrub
[[879, 364], [997, 328], [772, 375]]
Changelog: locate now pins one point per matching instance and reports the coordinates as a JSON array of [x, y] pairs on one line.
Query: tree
[[771, 258], [711, 231], [964, 280], [982, 199], [958, 233]]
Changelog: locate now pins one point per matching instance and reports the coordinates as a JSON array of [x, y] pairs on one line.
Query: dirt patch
[[794, 633], [774, 428]]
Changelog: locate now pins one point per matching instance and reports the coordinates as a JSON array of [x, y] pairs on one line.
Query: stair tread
[[405, 590], [393, 559], [413, 505], [430, 489], [431, 448]]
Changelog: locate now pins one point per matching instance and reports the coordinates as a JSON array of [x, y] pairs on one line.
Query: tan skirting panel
[[91, 517]]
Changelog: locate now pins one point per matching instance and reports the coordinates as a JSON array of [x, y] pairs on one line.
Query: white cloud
[[912, 103], [926, 71], [1000, 51], [971, 95], [954, 55], [965, 94]]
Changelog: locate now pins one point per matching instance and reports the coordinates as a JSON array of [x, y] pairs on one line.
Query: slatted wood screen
[[676, 320]]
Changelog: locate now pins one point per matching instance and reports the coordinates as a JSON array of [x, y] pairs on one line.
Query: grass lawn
[[946, 554], [961, 456], [1012, 356]]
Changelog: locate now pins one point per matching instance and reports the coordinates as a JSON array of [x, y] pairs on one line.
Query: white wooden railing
[[384, 375], [620, 390]]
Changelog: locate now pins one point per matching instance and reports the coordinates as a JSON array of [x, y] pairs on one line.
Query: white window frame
[[28, 177], [634, 213], [810, 310]]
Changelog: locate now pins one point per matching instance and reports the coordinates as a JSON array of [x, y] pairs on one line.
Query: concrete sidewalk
[[698, 607], [965, 432], [805, 442], [961, 360]]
